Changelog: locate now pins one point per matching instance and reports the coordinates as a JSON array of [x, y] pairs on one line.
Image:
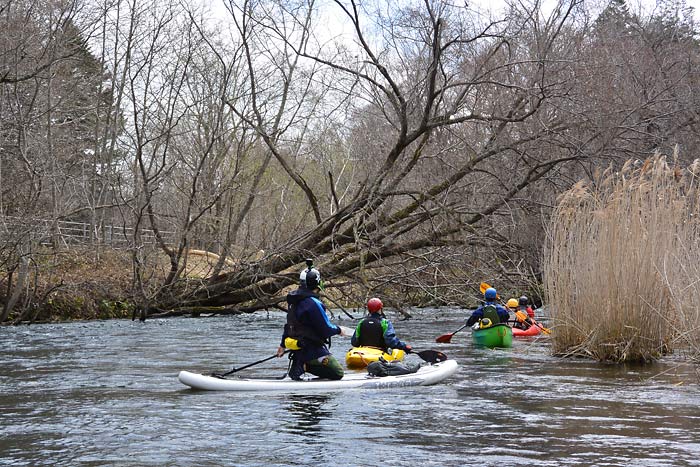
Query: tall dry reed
[[622, 264]]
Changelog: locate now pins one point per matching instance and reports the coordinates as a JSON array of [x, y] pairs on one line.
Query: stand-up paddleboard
[[426, 375]]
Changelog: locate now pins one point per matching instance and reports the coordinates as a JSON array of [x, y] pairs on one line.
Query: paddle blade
[[445, 338], [432, 356]]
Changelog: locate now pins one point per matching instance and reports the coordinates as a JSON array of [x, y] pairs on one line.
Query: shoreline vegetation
[[79, 283], [622, 264], [621, 274], [425, 159]]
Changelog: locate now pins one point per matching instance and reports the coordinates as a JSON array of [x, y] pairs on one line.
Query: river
[[106, 393]]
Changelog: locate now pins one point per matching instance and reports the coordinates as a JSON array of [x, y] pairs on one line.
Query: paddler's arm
[[281, 348], [392, 341], [475, 316], [320, 322]]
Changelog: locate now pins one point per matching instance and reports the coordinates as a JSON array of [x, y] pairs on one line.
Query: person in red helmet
[[377, 331]]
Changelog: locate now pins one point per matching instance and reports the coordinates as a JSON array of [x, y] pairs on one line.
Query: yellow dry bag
[[291, 343]]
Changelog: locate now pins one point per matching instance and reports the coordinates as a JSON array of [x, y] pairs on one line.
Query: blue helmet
[[490, 294]]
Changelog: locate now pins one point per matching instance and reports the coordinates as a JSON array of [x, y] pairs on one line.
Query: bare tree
[[407, 147], [432, 91]]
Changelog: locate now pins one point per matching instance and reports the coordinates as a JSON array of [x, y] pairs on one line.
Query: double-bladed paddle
[[522, 317]]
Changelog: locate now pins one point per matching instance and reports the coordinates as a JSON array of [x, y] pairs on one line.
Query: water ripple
[[106, 393]]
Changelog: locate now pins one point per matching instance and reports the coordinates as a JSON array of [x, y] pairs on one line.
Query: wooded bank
[[413, 151]]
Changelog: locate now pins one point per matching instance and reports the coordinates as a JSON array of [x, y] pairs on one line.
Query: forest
[[163, 157]]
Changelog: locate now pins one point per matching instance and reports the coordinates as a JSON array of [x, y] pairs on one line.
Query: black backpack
[[383, 368]]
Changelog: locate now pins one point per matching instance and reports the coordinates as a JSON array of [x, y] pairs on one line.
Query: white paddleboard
[[426, 375]]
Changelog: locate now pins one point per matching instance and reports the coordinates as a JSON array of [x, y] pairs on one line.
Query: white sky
[[337, 24]]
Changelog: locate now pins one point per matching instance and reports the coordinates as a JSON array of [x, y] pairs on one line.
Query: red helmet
[[374, 305]]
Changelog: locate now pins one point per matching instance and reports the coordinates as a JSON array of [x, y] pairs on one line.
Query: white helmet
[[310, 278]]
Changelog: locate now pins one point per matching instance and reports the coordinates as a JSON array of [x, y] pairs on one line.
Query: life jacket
[[491, 313], [300, 331], [371, 331]]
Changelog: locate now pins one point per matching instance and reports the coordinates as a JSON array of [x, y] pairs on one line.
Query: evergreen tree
[[50, 125]]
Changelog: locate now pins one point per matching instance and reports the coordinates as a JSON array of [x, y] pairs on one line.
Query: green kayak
[[498, 335]]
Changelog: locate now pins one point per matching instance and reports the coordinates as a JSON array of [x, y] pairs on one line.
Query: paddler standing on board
[[308, 331]]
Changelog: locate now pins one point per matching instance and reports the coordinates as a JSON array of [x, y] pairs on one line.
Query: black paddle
[[222, 375], [431, 356]]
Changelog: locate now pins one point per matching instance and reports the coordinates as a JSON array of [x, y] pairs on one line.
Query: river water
[[106, 393]]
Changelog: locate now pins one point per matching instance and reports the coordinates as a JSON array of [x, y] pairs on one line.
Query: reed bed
[[622, 264]]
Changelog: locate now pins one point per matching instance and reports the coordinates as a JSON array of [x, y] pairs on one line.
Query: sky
[[336, 24], [495, 5]]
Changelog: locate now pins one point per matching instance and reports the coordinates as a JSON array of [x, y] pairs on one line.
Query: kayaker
[[512, 306], [520, 305], [308, 331], [523, 305], [377, 331], [490, 296]]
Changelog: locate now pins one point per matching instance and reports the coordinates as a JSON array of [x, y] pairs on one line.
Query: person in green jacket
[[377, 331]]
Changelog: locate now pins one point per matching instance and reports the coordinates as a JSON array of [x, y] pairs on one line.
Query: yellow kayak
[[360, 357]]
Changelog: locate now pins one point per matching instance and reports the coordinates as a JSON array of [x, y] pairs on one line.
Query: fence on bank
[[48, 232]]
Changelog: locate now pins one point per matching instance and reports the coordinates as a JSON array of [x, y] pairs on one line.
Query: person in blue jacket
[[377, 331], [490, 296], [308, 331]]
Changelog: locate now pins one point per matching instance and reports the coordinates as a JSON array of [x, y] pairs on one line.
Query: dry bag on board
[[383, 368]]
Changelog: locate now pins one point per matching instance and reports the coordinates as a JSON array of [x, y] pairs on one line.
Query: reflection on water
[[308, 412], [106, 393]]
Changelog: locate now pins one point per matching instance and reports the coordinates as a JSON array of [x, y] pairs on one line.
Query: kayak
[[498, 335], [533, 330], [426, 375], [360, 357]]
